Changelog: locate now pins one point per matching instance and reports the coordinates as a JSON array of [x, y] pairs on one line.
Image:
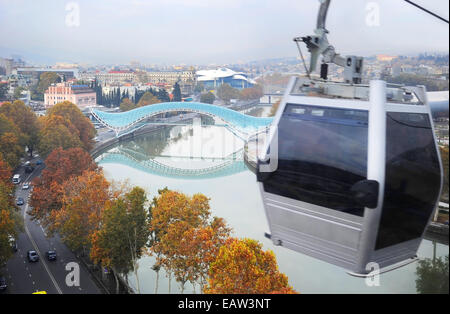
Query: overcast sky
[[210, 31]]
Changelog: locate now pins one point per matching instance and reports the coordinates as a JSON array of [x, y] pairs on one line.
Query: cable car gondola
[[352, 172]]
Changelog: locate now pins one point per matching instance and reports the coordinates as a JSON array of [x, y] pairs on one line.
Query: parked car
[[32, 256], [51, 255], [3, 283], [39, 162], [20, 201], [29, 169]]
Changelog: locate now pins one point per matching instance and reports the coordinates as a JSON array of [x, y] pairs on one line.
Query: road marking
[[39, 252]]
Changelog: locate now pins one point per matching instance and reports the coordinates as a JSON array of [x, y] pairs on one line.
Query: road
[[24, 277]]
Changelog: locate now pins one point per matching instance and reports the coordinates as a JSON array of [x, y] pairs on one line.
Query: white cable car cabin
[[352, 173], [351, 180]]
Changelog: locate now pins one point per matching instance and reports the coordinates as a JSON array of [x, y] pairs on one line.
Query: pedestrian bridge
[[226, 166], [127, 122]]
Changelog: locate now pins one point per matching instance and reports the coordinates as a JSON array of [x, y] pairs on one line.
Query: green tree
[[3, 90], [226, 93], [18, 92], [207, 98], [124, 232], [45, 80], [176, 92], [432, 276]]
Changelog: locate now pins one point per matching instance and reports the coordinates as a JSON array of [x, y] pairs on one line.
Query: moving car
[[16, 179], [51, 255], [20, 201], [32, 256], [25, 186]]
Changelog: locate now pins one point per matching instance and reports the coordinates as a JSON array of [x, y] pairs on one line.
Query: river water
[[190, 159]]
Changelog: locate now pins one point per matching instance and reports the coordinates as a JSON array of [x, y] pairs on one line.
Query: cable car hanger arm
[[318, 45]]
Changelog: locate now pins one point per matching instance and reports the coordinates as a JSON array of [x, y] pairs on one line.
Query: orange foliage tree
[[184, 236], [82, 201], [61, 165], [71, 112], [242, 267]]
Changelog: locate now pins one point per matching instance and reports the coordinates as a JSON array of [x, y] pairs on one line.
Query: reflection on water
[[236, 198]]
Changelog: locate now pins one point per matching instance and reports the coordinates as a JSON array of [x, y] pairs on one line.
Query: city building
[[35, 73], [80, 95], [212, 79], [116, 77]]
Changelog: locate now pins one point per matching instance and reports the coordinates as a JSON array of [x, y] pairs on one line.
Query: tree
[[3, 90], [176, 92], [45, 80], [18, 92], [207, 98], [26, 121], [11, 141], [250, 93], [124, 232], [107, 242], [10, 221], [432, 276], [61, 165], [57, 132], [148, 99], [11, 149], [172, 214], [226, 93], [127, 105], [242, 267], [83, 199], [72, 113]]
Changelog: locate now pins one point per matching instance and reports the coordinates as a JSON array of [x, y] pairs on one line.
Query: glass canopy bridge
[[127, 122], [228, 165]]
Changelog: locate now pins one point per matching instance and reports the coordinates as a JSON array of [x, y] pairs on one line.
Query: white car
[[25, 186]]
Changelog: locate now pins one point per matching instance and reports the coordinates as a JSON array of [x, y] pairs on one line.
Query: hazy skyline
[[210, 31]]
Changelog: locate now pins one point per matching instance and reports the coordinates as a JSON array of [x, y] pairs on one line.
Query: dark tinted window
[[412, 178], [322, 154]]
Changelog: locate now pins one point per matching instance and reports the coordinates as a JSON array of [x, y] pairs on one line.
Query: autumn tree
[[242, 267], [72, 113], [127, 105], [61, 165], [26, 121], [12, 144], [10, 221], [57, 132], [148, 99], [83, 199], [250, 93], [188, 237]]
